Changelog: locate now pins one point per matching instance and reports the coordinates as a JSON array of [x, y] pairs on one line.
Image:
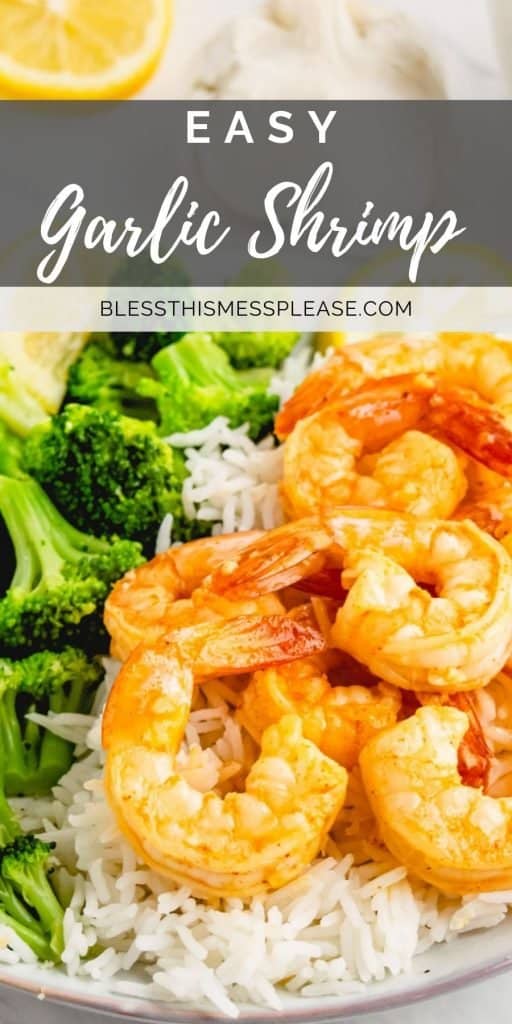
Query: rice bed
[[330, 933]]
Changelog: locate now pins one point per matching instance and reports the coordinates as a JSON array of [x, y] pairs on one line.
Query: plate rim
[[151, 1011]]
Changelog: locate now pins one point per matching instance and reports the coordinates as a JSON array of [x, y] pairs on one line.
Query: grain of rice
[[164, 535]]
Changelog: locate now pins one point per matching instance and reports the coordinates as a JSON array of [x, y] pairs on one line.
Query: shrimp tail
[[248, 643], [475, 755], [143, 707], [381, 410], [288, 554], [318, 389], [325, 583], [475, 427]]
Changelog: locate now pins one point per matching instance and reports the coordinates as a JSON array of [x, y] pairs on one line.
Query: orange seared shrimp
[[244, 843], [361, 450], [376, 448], [350, 369], [457, 638], [339, 719], [480, 363], [489, 503], [452, 835], [166, 593]]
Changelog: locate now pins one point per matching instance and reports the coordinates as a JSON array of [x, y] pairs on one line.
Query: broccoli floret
[[19, 410], [248, 349], [59, 682], [108, 473], [28, 902], [16, 912], [197, 383], [60, 577], [100, 378], [142, 347]]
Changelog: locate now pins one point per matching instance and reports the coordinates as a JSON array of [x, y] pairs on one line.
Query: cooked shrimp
[[479, 428], [475, 752], [488, 501], [449, 834], [457, 640], [375, 448], [328, 456], [492, 708], [339, 719], [348, 370], [247, 842], [480, 363], [166, 593]]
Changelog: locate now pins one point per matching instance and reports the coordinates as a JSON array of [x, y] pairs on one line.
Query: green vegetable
[[142, 347], [28, 903], [196, 383], [247, 349], [9, 824], [11, 453], [19, 410], [58, 577], [61, 682], [108, 473], [102, 379]]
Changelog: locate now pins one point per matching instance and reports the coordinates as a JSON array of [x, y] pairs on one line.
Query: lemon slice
[[43, 361], [80, 49], [326, 340]]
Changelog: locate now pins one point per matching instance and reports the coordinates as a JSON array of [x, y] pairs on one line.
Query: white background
[[463, 41], [459, 30]]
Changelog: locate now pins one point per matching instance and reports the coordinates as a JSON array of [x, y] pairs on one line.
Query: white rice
[[333, 931], [233, 483]]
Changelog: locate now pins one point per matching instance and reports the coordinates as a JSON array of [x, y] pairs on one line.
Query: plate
[[445, 968]]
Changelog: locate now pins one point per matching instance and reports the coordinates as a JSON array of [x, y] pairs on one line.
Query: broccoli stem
[[35, 559], [35, 758], [56, 754], [37, 891], [12, 905], [19, 410], [19, 749], [43, 541], [11, 453], [31, 934], [9, 825]]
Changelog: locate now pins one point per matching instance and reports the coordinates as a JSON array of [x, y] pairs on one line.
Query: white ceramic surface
[[446, 968]]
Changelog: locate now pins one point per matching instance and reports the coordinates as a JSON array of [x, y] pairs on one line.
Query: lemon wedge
[[43, 361], [80, 49]]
